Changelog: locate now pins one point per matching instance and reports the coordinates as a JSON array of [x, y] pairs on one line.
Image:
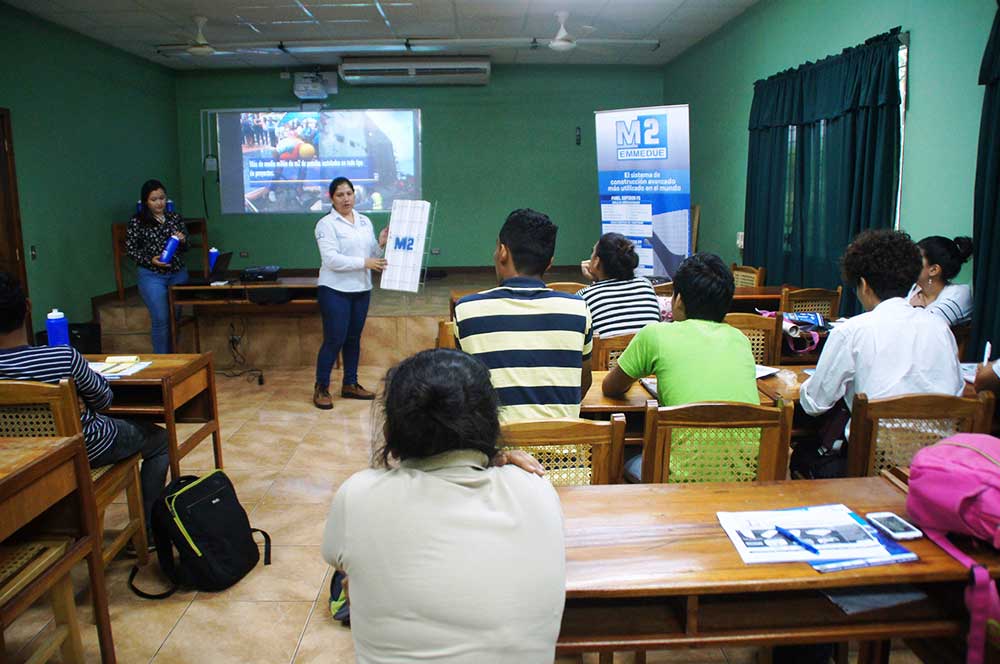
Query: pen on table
[[787, 534], [987, 351]]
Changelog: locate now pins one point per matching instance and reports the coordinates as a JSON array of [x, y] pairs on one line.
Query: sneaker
[[321, 398], [356, 392]]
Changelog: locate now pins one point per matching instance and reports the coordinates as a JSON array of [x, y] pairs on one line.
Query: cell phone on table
[[893, 525]]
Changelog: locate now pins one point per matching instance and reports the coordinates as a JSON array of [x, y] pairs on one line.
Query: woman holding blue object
[[349, 252], [152, 232]]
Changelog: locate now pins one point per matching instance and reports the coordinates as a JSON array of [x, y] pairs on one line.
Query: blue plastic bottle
[[138, 207], [213, 255], [170, 205], [168, 251], [57, 327]]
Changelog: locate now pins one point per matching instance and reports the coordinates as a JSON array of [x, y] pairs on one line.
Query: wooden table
[[648, 566], [173, 389], [783, 385], [235, 298], [634, 401], [35, 474]]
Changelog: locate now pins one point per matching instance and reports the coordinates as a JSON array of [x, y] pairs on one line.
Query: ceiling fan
[[200, 46], [563, 41]]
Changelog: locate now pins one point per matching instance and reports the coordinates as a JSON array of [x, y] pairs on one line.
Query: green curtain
[[986, 212], [823, 162]]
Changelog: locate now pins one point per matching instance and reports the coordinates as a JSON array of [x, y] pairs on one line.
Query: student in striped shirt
[[619, 302], [942, 261], [536, 342], [108, 439]]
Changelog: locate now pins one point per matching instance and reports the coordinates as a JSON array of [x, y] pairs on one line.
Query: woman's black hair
[[949, 254], [148, 187], [617, 254], [437, 401], [337, 182]]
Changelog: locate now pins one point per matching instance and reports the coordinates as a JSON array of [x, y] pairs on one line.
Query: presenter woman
[[349, 252], [147, 236]]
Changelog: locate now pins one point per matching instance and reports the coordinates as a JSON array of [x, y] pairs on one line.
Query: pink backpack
[[955, 487]]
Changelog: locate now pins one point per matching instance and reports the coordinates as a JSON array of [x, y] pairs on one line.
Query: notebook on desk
[[218, 272]]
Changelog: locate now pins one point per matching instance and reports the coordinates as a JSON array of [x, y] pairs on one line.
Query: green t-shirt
[[694, 360]]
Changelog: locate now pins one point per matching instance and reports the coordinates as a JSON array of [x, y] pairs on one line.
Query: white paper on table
[[404, 250], [764, 372], [833, 529], [969, 371], [116, 369]]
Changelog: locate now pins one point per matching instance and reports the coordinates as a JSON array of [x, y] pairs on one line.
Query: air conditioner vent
[[415, 71]]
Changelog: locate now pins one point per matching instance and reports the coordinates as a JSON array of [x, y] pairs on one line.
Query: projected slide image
[[283, 162]]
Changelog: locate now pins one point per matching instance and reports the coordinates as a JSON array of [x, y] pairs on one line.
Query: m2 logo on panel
[[404, 243], [645, 137]]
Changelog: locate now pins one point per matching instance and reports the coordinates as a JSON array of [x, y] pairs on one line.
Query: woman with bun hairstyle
[[943, 259], [619, 302]]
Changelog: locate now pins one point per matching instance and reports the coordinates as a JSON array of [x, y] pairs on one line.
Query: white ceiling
[[140, 26]]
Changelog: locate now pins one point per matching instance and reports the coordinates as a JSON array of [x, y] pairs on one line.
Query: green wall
[[90, 124], [947, 40], [486, 151]]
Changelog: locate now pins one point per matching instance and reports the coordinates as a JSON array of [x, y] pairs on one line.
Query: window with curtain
[[825, 148]]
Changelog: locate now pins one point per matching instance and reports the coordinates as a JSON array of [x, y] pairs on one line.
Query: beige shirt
[[450, 561]]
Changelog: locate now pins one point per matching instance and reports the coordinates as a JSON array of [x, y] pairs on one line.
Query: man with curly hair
[[891, 349]]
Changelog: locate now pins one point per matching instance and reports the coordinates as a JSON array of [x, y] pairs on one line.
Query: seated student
[[890, 350], [988, 377], [449, 560], [942, 261], [108, 439], [697, 357], [619, 302], [535, 341]]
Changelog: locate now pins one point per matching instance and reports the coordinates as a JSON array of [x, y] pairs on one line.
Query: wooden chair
[[716, 442], [826, 302], [888, 432], [573, 451], [566, 286], [29, 408], [695, 223], [666, 289], [24, 564], [604, 356], [446, 334], [195, 226], [764, 334], [748, 276]]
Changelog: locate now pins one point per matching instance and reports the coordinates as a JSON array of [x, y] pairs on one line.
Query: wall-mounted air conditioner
[[415, 71]]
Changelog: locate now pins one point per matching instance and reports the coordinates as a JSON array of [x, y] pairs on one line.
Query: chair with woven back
[[716, 442], [666, 289], [748, 276], [763, 333], [446, 334], [573, 451], [572, 287], [821, 300], [962, 332], [886, 433], [29, 409], [605, 353]]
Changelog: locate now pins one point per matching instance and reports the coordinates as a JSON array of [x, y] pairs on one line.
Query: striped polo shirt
[[533, 340], [50, 364], [621, 306]]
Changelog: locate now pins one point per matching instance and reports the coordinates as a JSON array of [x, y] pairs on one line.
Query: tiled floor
[[286, 459]]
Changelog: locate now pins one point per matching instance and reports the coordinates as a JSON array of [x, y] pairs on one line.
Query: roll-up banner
[[644, 176]]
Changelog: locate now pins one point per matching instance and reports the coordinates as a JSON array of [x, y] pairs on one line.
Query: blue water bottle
[[168, 251], [213, 255], [138, 207], [170, 205], [57, 327]]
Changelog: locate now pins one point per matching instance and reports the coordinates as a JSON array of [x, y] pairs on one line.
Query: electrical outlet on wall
[[739, 239], [436, 251], [244, 254]]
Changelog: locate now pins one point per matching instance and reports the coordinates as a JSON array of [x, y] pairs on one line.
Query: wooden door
[[11, 243]]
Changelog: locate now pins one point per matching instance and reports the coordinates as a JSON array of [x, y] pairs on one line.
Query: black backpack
[[203, 519]]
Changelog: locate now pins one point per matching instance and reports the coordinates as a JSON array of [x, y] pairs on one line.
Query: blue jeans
[[153, 288], [344, 317], [139, 436]]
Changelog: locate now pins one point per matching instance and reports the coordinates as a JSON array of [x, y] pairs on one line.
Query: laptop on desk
[[218, 272]]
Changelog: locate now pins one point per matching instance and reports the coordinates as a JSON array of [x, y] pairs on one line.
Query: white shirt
[[893, 349], [343, 248], [953, 303], [450, 561]]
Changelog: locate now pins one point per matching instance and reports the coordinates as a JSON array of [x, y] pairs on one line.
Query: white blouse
[[343, 248], [953, 303]]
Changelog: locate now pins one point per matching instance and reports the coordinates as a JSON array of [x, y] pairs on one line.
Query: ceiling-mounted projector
[[312, 86]]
